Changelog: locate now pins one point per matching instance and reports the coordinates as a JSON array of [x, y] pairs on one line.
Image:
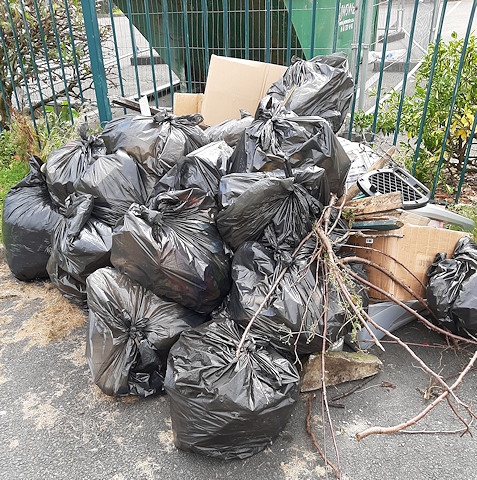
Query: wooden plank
[[404, 216], [370, 205], [132, 104]]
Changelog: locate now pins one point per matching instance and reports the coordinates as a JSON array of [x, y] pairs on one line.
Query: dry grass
[[2, 378], [42, 413], [54, 318]]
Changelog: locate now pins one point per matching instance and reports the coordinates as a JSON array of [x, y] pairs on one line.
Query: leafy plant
[[12, 166], [22, 141], [438, 108], [466, 210]]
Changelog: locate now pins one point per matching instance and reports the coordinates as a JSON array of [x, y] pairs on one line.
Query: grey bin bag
[[81, 244], [452, 288], [67, 164], [223, 405], [322, 86], [115, 183], [173, 248], [278, 139], [278, 207], [130, 333], [203, 168], [156, 143]]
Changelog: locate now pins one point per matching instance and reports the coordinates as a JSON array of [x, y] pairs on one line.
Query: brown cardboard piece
[[185, 103], [416, 248], [232, 85]]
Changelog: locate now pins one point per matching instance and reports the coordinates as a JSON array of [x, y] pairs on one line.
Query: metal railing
[[145, 48]]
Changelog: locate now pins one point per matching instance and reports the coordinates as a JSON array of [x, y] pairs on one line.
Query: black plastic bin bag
[[313, 178], [279, 204], [67, 164], [130, 333], [29, 217], [81, 244], [202, 168], [278, 139], [230, 131], [321, 86], [293, 316], [173, 248], [115, 183], [452, 288], [226, 406], [156, 143]]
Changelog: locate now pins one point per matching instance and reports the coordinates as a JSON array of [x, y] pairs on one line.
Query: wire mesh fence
[[155, 48]]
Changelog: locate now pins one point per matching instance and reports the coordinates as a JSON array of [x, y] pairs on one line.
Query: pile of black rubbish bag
[[172, 235]]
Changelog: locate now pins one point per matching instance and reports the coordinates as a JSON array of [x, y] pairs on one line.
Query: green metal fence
[[148, 48]]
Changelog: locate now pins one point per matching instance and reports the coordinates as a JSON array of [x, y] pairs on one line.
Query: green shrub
[[439, 104]]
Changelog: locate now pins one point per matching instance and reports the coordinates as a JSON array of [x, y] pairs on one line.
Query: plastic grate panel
[[388, 182], [379, 182]]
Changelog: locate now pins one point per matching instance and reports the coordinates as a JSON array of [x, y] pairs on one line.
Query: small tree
[[440, 101], [38, 38]]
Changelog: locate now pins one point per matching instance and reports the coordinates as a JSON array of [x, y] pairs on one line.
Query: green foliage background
[[438, 108]]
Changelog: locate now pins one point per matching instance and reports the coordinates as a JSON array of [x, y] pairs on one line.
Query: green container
[[254, 29], [318, 35]]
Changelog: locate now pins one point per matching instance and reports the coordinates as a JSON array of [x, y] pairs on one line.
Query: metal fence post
[[96, 56]]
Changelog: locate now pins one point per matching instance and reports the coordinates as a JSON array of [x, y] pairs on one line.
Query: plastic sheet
[[362, 158], [452, 288], [230, 131], [321, 86], [173, 248], [81, 244], [293, 317], [28, 219], [156, 143], [68, 163], [223, 405], [281, 206], [279, 139], [115, 183], [202, 169], [130, 332]]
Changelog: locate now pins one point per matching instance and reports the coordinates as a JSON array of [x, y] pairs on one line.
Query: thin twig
[[412, 421], [324, 395], [313, 438], [456, 413], [437, 432], [352, 390]]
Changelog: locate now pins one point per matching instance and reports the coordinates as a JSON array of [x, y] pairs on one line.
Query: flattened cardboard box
[[232, 85], [416, 248]]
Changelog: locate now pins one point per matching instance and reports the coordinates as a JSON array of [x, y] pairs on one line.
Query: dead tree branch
[[423, 413]]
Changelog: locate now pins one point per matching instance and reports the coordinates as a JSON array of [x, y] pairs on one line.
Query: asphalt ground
[[56, 424]]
